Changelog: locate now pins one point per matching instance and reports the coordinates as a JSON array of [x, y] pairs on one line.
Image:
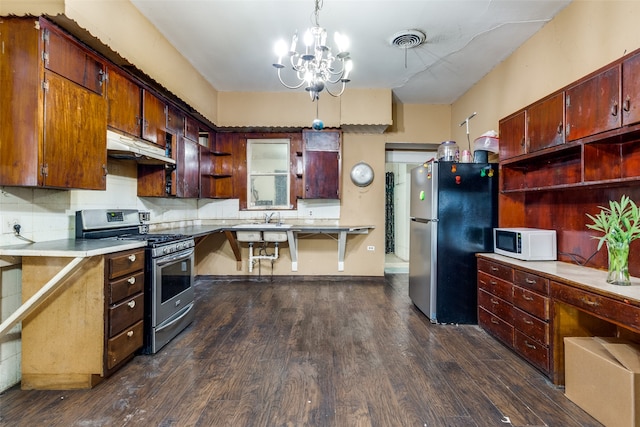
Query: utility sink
[[261, 232]]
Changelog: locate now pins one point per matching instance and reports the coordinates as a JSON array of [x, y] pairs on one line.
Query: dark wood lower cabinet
[[532, 307], [90, 329], [513, 306]]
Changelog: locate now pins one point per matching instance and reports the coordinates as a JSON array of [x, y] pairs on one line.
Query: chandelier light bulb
[[281, 50]]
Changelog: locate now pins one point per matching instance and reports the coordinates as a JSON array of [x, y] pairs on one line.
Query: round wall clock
[[362, 174]]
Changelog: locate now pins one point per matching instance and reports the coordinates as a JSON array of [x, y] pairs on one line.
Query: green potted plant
[[620, 225]]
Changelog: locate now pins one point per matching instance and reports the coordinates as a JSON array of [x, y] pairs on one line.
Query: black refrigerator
[[453, 210]]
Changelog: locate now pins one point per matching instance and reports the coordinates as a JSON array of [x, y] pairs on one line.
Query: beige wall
[[583, 37], [420, 123]]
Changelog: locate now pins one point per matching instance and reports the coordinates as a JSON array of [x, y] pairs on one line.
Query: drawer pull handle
[[131, 280], [589, 302], [529, 281], [132, 257], [494, 268], [131, 303], [130, 334], [527, 297], [495, 321], [527, 321], [526, 342], [493, 282], [494, 302]]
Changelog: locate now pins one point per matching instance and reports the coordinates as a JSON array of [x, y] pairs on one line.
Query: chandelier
[[315, 66]]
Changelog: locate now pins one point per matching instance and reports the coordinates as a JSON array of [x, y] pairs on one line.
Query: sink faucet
[[268, 216]]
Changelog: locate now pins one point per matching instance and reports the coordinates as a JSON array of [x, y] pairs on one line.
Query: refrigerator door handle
[[424, 220]]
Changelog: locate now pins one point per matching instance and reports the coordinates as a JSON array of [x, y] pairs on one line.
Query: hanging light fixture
[[315, 66]]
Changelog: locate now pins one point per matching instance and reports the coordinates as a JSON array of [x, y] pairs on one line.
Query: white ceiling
[[231, 42]]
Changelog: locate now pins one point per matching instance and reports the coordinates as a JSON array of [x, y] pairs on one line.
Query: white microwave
[[528, 244]]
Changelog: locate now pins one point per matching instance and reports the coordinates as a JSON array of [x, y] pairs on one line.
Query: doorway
[[400, 159]]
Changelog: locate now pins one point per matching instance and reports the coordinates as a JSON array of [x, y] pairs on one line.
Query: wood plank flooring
[[325, 352]]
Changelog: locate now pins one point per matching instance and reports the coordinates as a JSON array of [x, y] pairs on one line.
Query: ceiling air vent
[[408, 39]]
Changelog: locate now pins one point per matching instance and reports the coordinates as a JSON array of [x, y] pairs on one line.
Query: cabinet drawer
[[125, 287], [125, 263], [497, 270], [531, 302], [495, 305], [495, 326], [531, 326], [125, 314], [534, 352], [495, 286], [601, 306], [531, 281], [124, 344]]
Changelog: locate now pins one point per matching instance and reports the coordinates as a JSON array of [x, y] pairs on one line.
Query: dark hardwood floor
[[311, 353]]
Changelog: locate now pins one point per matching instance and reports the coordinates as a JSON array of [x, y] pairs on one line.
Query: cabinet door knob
[[132, 257], [130, 334], [614, 109], [559, 128], [626, 105], [131, 280], [131, 304]]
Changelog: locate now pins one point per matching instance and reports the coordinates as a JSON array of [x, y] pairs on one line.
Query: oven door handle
[[189, 308], [173, 258]]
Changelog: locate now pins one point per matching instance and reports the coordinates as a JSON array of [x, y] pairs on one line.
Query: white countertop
[[72, 248], [91, 247], [580, 276]]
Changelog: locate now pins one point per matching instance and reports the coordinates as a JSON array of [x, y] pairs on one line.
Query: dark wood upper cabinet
[[124, 103], [54, 133], [322, 164], [631, 90], [65, 57], [593, 105], [191, 129], [175, 121], [188, 169], [154, 118], [74, 148], [512, 136], [217, 167], [545, 123]]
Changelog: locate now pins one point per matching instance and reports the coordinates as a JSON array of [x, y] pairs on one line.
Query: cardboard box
[[602, 376]]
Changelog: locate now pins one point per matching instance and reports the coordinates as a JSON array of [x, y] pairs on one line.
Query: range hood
[[126, 147]]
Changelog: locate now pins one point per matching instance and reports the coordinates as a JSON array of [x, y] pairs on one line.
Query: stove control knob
[[165, 250]]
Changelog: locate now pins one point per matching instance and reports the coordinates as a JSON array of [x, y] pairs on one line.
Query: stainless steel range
[[169, 294]]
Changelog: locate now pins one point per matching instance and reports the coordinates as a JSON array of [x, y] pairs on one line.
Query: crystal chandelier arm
[[286, 85], [335, 95]]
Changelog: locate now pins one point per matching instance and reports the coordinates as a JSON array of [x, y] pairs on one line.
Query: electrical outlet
[[371, 248], [310, 212]]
